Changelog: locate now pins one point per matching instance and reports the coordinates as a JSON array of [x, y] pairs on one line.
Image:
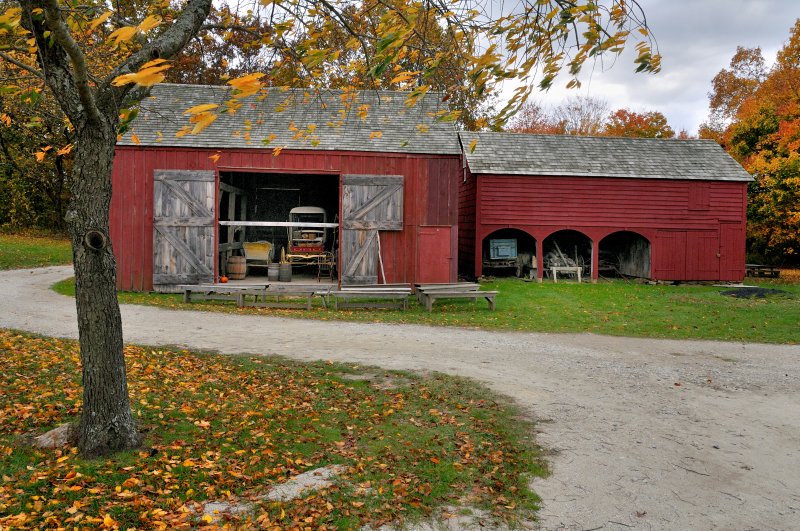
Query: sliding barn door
[[370, 203], [183, 228]]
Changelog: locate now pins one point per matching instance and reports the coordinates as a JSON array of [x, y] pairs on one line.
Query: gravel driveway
[[644, 433]]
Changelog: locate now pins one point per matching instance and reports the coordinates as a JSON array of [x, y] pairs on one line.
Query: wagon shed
[[385, 173], [649, 208]]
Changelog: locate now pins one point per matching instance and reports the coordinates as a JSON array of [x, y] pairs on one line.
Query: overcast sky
[[696, 38]]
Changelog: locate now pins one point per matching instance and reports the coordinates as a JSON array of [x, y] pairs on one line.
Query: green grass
[[612, 308], [228, 427], [23, 251]]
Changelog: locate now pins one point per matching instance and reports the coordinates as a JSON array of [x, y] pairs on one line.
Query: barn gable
[[651, 208]]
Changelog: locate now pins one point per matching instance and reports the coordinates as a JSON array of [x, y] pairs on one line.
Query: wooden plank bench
[[758, 270], [222, 292], [383, 287], [428, 297], [278, 293], [371, 297]]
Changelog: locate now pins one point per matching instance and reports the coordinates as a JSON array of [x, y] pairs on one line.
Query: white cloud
[[696, 38]]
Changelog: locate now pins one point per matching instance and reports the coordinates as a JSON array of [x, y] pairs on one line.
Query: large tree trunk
[[106, 423]]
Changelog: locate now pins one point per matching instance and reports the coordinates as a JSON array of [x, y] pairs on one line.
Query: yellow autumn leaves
[[42, 153], [201, 116], [151, 73], [126, 33]]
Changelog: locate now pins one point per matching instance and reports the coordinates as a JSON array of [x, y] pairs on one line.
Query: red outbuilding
[[385, 174], [649, 208]]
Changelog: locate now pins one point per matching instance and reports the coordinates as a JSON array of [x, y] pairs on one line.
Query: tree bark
[[106, 423]]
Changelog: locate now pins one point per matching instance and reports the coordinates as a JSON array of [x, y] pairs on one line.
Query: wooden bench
[[430, 296], [578, 270], [373, 296], [758, 270], [400, 286], [457, 287], [222, 292], [278, 293]]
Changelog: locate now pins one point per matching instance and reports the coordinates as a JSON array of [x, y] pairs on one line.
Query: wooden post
[[231, 214], [595, 261], [243, 217], [539, 262]]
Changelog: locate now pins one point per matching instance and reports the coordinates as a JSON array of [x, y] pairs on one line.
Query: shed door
[[369, 203], [183, 228], [670, 263], [702, 255], [434, 254], [732, 251]]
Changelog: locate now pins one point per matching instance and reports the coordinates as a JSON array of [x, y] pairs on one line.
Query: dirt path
[[631, 447]]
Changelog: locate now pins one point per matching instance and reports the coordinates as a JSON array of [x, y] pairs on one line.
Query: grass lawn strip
[[24, 251], [228, 428], [611, 307]]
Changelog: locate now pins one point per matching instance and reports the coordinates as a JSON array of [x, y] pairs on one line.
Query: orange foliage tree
[[625, 122], [764, 136], [535, 119]]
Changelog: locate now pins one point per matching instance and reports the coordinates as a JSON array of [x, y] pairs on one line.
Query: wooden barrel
[[285, 273], [272, 272], [237, 267]]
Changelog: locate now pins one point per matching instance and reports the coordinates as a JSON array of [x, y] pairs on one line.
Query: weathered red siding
[[431, 197], [467, 198], [695, 228]]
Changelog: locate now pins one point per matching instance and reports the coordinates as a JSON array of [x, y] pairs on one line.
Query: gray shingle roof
[[648, 158], [388, 125]]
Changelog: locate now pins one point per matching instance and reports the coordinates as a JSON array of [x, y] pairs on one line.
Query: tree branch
[[53, 60], [343, 21], [21, 65], [52, 15], [165, 46]]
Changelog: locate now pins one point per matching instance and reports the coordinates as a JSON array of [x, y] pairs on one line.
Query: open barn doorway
[[624, 254], [509, 252], [268, 218], [567, 249]]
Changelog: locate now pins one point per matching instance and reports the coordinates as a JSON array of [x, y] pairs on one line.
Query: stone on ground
[[319, 478], [55, 438]]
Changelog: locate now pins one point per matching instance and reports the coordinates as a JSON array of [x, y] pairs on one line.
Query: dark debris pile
[[754, 292]]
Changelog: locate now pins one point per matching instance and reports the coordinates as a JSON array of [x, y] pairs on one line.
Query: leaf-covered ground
[[226, 428]]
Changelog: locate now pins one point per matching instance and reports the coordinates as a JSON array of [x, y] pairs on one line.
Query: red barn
[[650, 208], [386, 174], [403, 202]]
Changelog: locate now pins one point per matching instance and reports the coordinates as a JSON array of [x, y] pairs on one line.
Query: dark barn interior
[[270, 197], [624, 254], [521, 264], [567, 248]]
